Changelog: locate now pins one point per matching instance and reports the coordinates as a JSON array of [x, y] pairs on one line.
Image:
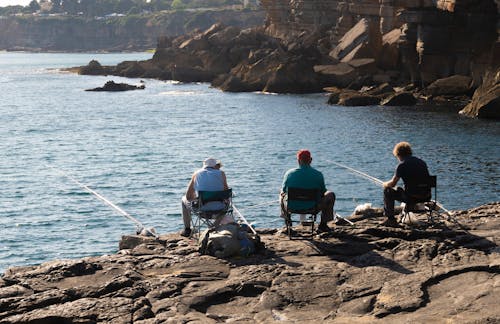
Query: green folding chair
[[312, 196], [205, 217]]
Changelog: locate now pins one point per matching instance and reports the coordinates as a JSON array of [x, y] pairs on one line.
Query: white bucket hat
[[209, 163]]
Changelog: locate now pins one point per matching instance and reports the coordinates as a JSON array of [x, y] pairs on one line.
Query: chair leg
[[195, 227], [288, 224], [313, 217]]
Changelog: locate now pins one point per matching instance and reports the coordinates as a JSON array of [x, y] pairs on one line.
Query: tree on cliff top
[[34, 6]]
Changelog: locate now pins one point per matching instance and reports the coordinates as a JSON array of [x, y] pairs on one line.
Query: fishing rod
[[364, 175], [341, 217], [377, 181], [240, 216], [140, 226]]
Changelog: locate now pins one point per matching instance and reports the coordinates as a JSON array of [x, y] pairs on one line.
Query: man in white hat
[[208, 178]]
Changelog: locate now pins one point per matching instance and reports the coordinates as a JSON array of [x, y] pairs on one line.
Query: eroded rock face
[[427, 40], [486, 99], [362, 273]]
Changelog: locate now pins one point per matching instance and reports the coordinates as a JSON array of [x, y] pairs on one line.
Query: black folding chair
[[312, 196], [421, 192], [203, 217]]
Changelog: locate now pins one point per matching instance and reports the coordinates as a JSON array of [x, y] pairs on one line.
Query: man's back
[[209, 179], [411, 170], [305, 177]]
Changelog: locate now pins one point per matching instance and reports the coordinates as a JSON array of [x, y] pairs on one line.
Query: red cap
[[304, 156]]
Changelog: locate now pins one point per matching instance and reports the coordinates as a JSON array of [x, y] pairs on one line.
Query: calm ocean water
[[139, 149]]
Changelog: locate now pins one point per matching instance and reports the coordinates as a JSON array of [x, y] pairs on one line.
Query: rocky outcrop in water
[[447, 272], [111, 86]]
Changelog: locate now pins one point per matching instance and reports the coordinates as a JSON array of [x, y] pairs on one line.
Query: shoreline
[[365, 272]]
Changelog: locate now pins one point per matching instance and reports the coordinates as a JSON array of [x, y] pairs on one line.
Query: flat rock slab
[[440, 273]]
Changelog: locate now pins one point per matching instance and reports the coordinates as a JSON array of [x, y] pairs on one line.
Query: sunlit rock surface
[[448, 272]]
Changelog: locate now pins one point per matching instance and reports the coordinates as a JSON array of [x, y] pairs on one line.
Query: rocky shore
[[445, 273], [363, 52]]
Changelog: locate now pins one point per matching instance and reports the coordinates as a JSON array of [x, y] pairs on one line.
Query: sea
[[138, 150]]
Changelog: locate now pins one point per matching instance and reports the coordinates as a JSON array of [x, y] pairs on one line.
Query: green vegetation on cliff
[[96, 8]]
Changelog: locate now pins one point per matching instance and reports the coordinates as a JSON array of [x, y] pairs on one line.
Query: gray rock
[[362, 273], [399, 99], [453, 85], [486, 99]]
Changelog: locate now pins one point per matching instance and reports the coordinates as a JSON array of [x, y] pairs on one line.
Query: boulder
[[112, 86], [399, 99], [381, 89], [361, 41], [485, 102], [232, 83], [340, 75], [224, 36], [389, 53], [334, 95], [296, 76], [215, 28], [453, 85], [355, 98], [130, 69], [195, 44], [216, 62], [93, 68], [363, 66], [191, 74]]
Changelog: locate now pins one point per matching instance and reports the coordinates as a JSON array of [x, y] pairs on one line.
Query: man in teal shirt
[[307, 177]]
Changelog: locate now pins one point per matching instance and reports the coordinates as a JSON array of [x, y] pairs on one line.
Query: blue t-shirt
[[209, 179], [305, 177]]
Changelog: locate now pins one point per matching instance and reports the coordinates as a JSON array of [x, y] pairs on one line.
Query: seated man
[[208, 178], [307, 177], [409, 168]]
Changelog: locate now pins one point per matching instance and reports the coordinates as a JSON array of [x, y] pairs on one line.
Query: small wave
[[180, 93]]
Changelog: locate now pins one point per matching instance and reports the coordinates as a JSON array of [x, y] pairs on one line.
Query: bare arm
[[224, 180], [391, 183], [190, 194]]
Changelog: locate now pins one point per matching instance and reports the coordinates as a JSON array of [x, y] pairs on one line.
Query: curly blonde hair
[[402, 149]]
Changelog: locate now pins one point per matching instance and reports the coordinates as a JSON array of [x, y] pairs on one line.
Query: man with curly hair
[[410, 168]]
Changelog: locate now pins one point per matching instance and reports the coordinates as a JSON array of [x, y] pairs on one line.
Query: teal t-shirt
[[305, 177]]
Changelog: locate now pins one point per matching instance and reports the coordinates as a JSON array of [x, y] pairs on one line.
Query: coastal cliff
[[437, 39], [128, 33], [447, 272]]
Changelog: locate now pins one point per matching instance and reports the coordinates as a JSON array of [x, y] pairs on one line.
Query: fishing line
[[106, 201], [262, 204]]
